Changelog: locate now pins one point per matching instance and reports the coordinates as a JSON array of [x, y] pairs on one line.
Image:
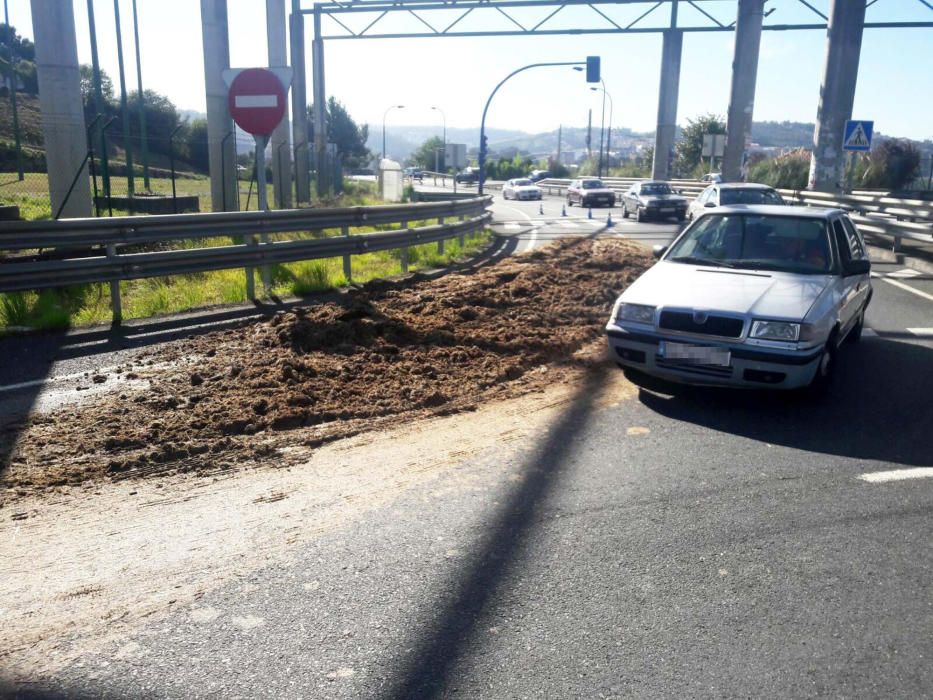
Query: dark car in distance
[[653, 200], [590, 192], [467, 176]]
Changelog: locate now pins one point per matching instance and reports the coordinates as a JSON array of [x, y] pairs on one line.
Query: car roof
[[742, 186], [654, 182], [779, 210]]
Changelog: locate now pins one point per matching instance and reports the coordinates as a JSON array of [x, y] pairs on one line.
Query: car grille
[[704, 370], [722, 326]]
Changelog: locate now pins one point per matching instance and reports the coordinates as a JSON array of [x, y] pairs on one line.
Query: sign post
[[856, 138], [257, 101]]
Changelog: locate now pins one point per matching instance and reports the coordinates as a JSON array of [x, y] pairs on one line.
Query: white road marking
[[897, 475], [922, 332], [246, 101], [903, 286], [905, 273]]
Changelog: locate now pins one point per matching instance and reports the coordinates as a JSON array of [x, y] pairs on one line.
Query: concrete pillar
[[300, 107], [221, 144], [667, 104], [322, 172], [742, 94], [281, 155], [837, 93], [53, 26]]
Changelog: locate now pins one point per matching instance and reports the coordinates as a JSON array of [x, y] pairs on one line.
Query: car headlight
[[776, 330], [636, 313]]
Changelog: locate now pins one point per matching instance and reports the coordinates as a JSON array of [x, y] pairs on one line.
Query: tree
[[197, 145], [343, 131], [161, 119], [86, 74], [426, 152], [893, 164], [689, 150]]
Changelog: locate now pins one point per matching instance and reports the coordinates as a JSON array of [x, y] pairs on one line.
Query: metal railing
[[110, 237], [875, 213]]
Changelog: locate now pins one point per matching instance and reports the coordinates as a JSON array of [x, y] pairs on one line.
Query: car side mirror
[[658, 250], [710, 205], [858, 267]]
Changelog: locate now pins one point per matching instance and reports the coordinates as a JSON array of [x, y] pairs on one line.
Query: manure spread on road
[[385, 353]]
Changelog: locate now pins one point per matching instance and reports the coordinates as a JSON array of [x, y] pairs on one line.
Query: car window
[[521, 183], [755, 241], [749, 196], [856, 245], [656, 188], [593, 185]]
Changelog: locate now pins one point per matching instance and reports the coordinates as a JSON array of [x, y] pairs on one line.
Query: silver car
[[521, 188], [732, 193], [756, 296]]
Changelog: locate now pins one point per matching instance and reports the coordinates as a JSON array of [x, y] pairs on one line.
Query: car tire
[[624, 211], [825, 370], [639, 214], [569, 201]]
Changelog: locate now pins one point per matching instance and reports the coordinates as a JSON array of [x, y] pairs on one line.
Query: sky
[[895, 85]]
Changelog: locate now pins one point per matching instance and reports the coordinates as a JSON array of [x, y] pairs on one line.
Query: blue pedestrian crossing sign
[[858, 135]]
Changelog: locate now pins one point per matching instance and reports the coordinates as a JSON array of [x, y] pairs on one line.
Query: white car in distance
[[521, 188], [752, 296]]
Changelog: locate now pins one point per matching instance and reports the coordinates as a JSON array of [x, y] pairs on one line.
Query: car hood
[[779, 295], [598, 191], [659, 198], [526, 188]]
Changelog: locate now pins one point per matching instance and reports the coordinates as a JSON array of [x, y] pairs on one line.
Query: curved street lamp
[[385, 114], [577, 65]]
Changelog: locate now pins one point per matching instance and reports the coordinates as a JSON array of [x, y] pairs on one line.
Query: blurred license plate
[[667, 208], [695, 354]]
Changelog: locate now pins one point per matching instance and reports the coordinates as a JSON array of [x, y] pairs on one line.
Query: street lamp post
[[577, 65], [444, 117], [608, 131], [384, 127]]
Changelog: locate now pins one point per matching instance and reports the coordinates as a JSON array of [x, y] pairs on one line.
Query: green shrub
[[790, 171]]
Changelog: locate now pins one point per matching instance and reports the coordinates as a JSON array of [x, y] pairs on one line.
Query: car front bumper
[[665, 212], [527, 195], [749, 367]]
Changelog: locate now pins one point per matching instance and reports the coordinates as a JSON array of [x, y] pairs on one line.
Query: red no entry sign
[[256, 101]]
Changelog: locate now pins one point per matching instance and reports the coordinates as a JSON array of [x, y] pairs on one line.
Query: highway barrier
[[110, 258]]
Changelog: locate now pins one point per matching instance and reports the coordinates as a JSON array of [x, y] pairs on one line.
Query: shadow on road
[[438, 648], [879, 408]]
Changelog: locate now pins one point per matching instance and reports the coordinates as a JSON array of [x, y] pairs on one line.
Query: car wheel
[[624, 211], [855, 335], [569, 201], [639, 214], [825, 369]]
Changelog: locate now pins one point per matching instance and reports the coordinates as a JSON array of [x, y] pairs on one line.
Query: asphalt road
[[709, 544]]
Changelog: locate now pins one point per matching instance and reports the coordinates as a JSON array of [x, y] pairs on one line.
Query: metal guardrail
[[114, 266], [874, 213]]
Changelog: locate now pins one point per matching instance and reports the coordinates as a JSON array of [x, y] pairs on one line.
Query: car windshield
[[749, 196], [656, 188], [522, 183], [592, 185], [749, 241]]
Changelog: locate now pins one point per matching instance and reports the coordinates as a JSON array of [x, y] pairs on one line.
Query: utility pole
[[130, 185], [16, 138], [142, 103], [589, 135], [98, 102], [560, 135]]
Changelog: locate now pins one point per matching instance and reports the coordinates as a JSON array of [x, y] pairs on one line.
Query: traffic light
[[592, 69]]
